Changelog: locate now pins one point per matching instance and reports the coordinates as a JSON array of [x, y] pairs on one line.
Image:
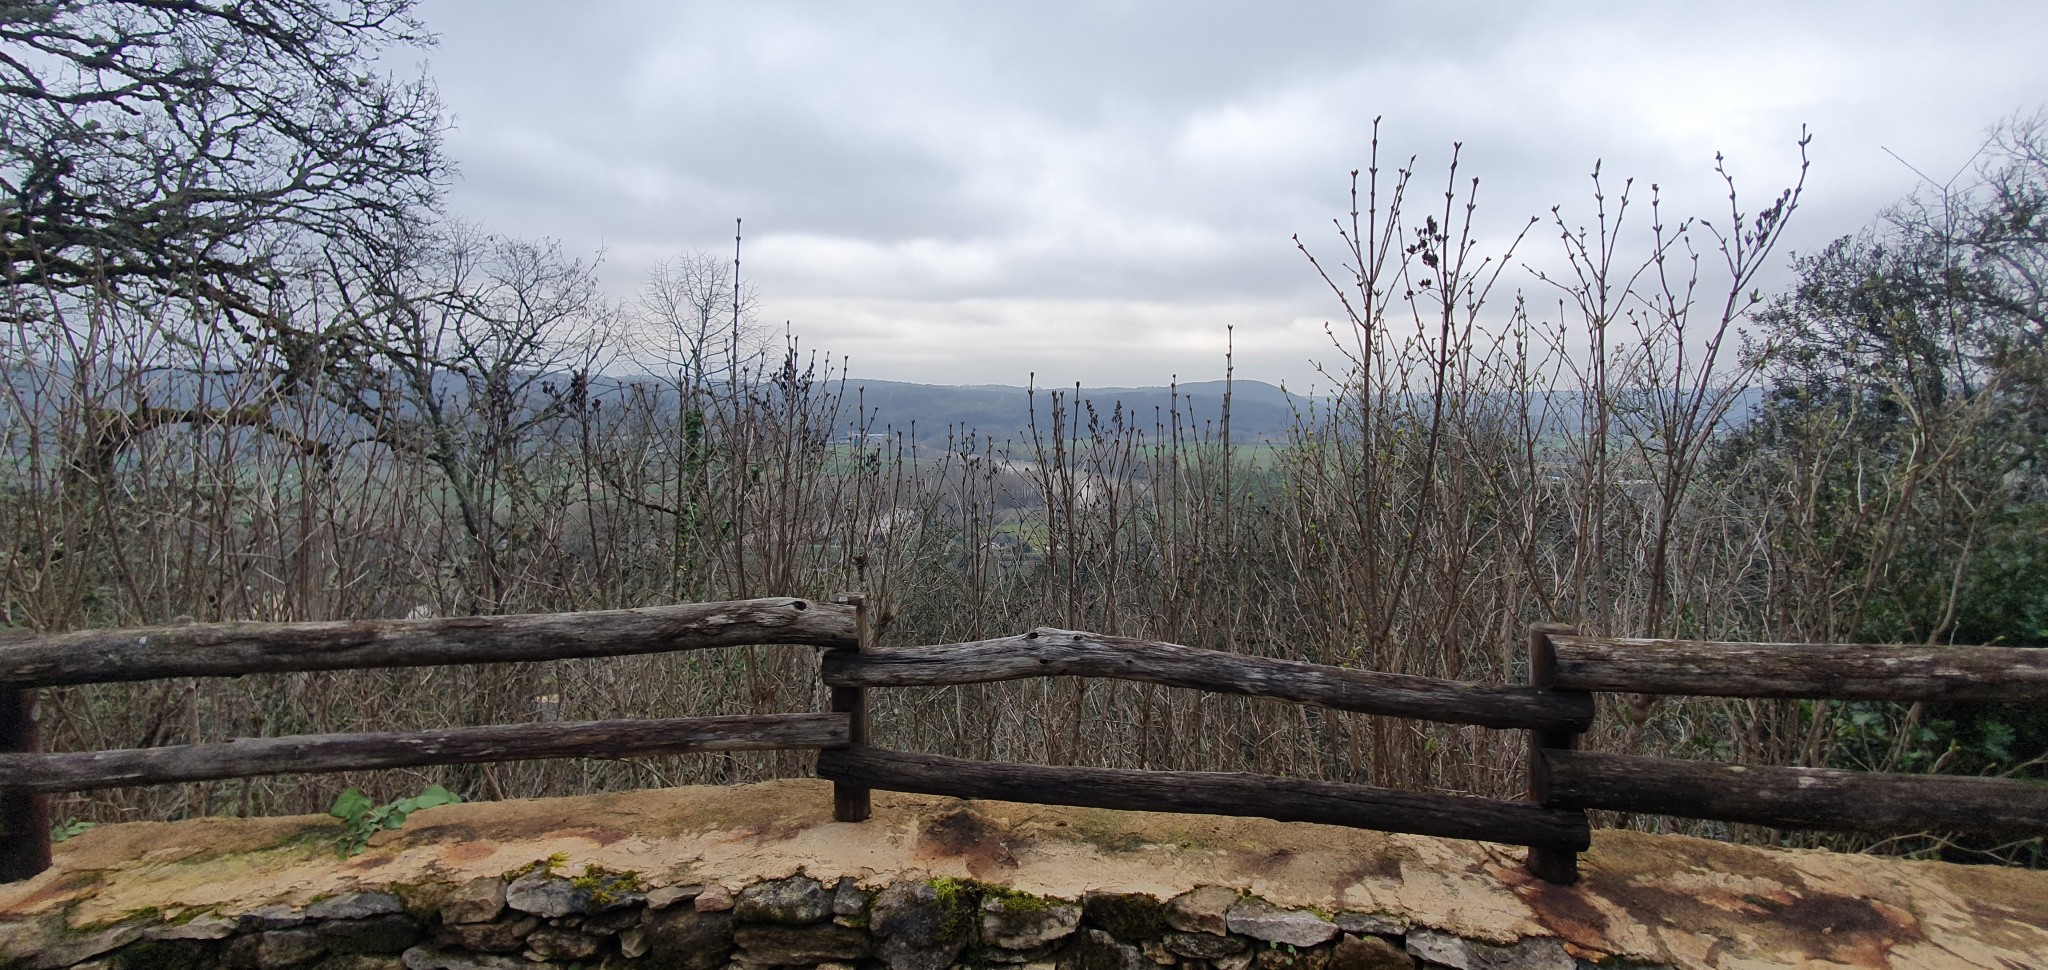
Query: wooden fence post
[[1550, 863], [850, 803], [24, 816]]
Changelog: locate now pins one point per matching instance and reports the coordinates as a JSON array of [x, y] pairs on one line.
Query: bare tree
[[190, 150], [459, 356], [695, 318]]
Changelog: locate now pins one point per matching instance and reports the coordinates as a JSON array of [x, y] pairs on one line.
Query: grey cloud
[[1066, 163]]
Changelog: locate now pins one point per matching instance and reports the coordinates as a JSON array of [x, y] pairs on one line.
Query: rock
[[209, 926], [288, 948], [1025, 922], [1201, 910], [847, 898], [1203, 946], [54, 944], [1261, 920], [1097, 950], [555, 943], [158, 955], [391, 933], [782, 945], [355, 906], [714, 900], [543, 894], [1156, 951], [1368, 953], [476, 901], [1288, 958], [274, 916], [1126, 916], [610, 924], [1238, 962], [611, 891], [981, 956], [240, 952], [1534, 953], [360, 961], [687, 939], [796, 900], [506, 935], [546, 895], [668, 896], [1377, 924], [919, 928], [633, 942], [431, 958]]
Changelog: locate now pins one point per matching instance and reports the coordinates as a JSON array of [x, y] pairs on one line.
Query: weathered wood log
[[1839, 671], [1211, 793], [1801, 798], [1047, 652], [233, 649], [1554, 864], [24, 816], [850, 802], [311, 753]]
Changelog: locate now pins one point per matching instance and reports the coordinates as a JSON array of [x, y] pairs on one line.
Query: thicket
[[428, 420]]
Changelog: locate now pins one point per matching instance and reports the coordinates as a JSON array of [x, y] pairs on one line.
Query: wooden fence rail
[[315, 753], [1834, 671], [1806, 798], [1212, 793], [234, 649], [1048, 652]]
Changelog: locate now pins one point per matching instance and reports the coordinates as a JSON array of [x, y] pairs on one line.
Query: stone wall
[[544, 918], [751, 876]]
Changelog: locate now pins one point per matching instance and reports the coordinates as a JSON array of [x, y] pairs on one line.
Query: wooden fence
[[230, 650], [1046, 652], [1555, 708], [1805, 798]]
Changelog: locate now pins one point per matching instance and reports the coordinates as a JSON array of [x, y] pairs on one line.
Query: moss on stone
[[1014, 901], [548, 865], [607, 885], [959, 899]]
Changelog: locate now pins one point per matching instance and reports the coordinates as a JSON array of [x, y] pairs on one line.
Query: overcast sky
[[977, 192]]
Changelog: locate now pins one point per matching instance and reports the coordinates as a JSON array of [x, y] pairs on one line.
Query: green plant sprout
[[69, 828], [364, 818]]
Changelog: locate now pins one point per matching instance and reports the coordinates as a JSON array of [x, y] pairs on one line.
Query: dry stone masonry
[[544, 918]]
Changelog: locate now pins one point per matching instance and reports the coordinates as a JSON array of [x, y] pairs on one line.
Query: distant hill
[[1257, 410]]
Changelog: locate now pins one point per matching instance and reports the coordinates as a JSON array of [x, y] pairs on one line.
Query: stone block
[[476, 901], [783, 945], [794, 901], [1201, 910], [1458, 953], [1025, 922], [1261, 920]]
